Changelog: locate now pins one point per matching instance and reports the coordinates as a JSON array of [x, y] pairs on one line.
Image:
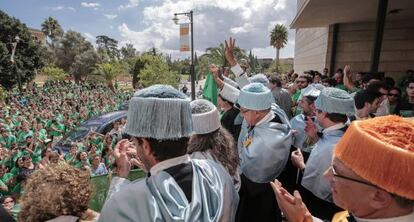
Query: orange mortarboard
[[381, 150]]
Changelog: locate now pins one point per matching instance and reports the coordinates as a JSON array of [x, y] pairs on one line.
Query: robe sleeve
[[241, 77], [116, 185]]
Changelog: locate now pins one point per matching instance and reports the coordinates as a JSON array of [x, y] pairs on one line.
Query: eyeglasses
[[335, 174], [394, 95]]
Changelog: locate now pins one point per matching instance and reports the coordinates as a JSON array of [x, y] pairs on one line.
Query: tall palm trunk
[[277, 60]]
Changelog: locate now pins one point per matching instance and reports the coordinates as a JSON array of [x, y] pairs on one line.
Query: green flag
[[210, 89]]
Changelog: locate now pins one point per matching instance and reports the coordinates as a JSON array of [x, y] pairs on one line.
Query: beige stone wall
[[355, 43], [354, 47], [310, 49]]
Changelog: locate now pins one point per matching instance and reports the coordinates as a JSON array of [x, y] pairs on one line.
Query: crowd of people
[[32, 122], [293, 147]]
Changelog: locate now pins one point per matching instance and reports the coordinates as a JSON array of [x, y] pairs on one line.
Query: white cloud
[[247, 27], [57, 8], [249, 21], [110, 16], [280, 5], [90, 4], [142, 40], [61, 8], [111, 27], [131, 4]]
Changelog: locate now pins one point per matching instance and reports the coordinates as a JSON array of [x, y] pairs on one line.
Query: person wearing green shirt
[[56, 128], [295, 96], [82, 161], [70, 157], [339, 77], [7, 139], [23, 134]]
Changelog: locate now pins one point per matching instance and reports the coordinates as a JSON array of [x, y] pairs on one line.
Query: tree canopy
[[52, 29], [156, 71], [27, 55], [108, 44]]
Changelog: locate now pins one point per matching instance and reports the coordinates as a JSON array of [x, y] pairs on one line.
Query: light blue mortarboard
[[159, 112], [334, 100], [255, 96]]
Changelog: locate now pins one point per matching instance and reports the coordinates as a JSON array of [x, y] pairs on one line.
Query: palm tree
[[278, 39], [217, 56], [52, 29], [109, 71]]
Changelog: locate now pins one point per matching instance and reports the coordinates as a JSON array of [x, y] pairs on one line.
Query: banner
[[210, 89], [184, 37]]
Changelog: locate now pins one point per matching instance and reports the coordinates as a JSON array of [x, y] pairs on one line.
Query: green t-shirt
[[37, 153], [22, 135], [42, 134], [296, 95], [7, 141], [69, 158], [59, 127], [341, 86], [78, 164]]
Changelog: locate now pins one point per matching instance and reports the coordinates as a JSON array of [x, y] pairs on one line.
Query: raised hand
[[229, 51], [216, 75], [213, 69], [297, 159], [347, 70], [121, 158], [292, 206]]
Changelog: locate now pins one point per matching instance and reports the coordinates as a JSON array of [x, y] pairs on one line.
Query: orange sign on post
[[184, 37]]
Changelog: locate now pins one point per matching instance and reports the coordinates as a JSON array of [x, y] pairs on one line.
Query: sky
[[148, 23]]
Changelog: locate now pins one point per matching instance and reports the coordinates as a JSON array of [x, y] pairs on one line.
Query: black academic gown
[[227, 121]]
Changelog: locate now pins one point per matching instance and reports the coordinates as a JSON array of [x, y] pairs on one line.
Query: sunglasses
[[335, 174], [395, 95]]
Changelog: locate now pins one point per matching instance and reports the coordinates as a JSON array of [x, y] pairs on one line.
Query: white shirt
[[334, 127], [269, 116]]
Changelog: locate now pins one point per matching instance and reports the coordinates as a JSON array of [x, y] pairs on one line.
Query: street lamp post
[[192, 72], [19, 81]]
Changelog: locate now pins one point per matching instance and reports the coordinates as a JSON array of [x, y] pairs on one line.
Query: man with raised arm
[[263, 144], [176, 188]]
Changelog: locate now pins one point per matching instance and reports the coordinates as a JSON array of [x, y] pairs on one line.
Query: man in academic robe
[[370, 174], [177, 188], [263, 144], [332, 107]]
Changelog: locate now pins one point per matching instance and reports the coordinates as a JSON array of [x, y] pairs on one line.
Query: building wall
[[354, 47], [355, 43], [311, 46], [38, 36]]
